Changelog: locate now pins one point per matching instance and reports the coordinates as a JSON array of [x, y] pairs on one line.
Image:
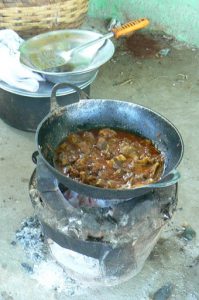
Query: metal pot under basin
[[25, 110]]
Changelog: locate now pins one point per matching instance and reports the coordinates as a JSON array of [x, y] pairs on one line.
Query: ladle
[[117, 32]]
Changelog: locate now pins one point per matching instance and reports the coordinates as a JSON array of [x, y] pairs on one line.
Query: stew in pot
[[109, 158]]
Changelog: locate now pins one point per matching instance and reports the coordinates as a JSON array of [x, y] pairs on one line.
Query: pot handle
[[170, 179], [35, 156], [53, 100]]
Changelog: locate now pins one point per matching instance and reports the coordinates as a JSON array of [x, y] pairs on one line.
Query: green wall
[[179, 18]]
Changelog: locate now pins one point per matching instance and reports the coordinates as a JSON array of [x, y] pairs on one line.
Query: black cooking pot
[[96, 113], [24, 110]]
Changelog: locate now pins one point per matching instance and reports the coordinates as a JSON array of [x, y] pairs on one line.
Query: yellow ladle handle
[[130, 27]]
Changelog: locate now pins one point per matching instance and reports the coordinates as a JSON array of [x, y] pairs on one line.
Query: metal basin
[[42, 52]]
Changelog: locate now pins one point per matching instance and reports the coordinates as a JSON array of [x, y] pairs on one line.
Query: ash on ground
[[43, 268], [31, 238]]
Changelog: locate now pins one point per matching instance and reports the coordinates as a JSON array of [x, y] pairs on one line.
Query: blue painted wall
[[179, 18]]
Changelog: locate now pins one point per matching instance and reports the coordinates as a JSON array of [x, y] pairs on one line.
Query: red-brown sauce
[[109, 159]]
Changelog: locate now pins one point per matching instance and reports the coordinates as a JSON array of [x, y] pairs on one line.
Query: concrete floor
[[168, 85]]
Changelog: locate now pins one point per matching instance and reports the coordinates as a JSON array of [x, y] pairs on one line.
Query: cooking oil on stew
[[109, 158]]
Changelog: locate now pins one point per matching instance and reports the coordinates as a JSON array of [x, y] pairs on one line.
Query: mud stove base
[[103, 241]]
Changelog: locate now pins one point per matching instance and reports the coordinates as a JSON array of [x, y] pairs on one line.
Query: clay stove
[[103, 241]]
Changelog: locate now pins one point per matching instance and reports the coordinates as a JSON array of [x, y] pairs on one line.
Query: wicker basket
[[32, 17]]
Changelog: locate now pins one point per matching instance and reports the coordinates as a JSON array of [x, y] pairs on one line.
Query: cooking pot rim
[[45, 89]]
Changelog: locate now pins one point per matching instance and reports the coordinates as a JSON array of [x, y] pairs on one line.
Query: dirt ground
[[167, 82]]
